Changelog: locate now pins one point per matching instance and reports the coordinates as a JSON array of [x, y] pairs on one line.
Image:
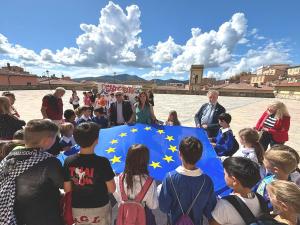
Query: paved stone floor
[[245, 111]]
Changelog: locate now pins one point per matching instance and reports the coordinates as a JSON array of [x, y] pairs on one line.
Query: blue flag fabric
[[163, 143]]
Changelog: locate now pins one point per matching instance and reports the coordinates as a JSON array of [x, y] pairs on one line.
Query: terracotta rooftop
[[241, 86], [295, 84], [12, 73], [59, 82]]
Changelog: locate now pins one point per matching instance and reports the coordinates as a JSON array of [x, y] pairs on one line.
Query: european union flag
[[163, 143]]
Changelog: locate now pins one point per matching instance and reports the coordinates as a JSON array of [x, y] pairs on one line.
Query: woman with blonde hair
[[285, 198], [9, 123], [274, 125]]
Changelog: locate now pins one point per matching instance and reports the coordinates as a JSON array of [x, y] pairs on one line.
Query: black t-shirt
[[88, 174], [37, 198]]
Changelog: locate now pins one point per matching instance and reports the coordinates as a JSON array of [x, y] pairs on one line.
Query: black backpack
[[235, 146], [247, 215]]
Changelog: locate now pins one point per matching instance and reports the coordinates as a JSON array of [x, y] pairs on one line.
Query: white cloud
[[211, 48], [166, 51], [272, 53], [114, 41]]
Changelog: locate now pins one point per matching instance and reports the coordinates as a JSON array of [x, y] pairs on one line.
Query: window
[[28, 83]]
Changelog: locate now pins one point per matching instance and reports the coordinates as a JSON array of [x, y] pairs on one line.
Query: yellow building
[[269, 73], [294, 71]]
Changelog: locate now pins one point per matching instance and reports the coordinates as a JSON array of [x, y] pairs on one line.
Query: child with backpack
[[187, 193], [90, 178], [241, 174], [135, 190], [279, 165], [285, 198], [225, 143]]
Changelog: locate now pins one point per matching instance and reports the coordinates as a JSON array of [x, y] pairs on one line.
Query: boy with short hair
[[34, 180], [100, 118], [241, 174], [224, 142], [70, 116], [86, 115], [67, 140], [279, 165], [188, 183], [90, 178]]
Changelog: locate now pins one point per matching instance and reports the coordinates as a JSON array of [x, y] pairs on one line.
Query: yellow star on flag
[[123, 135], [110, 150], [168, 158], [133, 130], [114, 141], [173, 148], [160, 131], [169, 138], [147, 128], [115, 159], [155, 165]]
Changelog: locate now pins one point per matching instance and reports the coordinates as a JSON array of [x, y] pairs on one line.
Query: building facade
[[270, 73], [196, 75], [16, 76]]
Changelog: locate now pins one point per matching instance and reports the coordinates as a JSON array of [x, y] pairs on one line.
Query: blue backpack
[[185, 218], [247, 215]]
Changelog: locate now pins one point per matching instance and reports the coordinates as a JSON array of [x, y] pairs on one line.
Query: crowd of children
[[264, 184]]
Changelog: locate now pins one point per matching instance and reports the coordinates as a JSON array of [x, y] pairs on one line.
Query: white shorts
[[92, 216]]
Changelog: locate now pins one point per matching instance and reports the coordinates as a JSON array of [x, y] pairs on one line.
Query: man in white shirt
[[120, 111], [208, 115]]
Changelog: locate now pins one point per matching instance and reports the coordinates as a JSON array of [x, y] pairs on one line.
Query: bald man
[[208, 114]]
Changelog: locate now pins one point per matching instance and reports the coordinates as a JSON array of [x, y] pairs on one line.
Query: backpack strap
[[140, 196], [241, 208], [194, 201], [176, 194], [121, 184], [263, 204]]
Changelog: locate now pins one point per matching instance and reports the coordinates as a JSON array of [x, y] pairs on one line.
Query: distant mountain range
[[127, 79]]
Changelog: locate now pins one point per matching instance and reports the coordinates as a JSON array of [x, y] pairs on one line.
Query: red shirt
[[54, 107]]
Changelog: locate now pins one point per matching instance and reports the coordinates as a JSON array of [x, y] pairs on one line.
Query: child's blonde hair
[[284, 160], [65, 128], [281, 109], [286, 192]]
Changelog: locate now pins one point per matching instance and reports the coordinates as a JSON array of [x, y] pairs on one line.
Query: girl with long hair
[[172, 119], [9, 123], [274, 125], [135, 176], [251, 148]]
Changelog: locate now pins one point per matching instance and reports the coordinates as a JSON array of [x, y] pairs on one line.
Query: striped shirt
[[270, 121]]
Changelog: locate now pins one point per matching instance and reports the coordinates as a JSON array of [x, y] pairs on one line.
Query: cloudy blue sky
[[157, 38]]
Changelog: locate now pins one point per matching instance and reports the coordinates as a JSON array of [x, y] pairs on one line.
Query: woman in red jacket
[[274, 125]]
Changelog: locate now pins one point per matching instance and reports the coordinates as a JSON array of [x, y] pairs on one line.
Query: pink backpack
[[132, 212]]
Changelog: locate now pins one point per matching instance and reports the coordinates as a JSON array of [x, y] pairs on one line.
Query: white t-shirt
[[150, 199], [247, 153], [120, 118], [225, 214]]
